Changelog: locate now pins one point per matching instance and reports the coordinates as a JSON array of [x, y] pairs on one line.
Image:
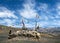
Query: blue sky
[[13, 11]]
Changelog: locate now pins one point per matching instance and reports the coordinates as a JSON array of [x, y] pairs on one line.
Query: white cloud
[[47, 13], [29, 25], [46, 17], [28, 11], [58, 12], [44, 11], [49, 23], [56, 23], [4, 12], [57, 16], [43, 7], [8, 22], [43, 23], [58, 6]]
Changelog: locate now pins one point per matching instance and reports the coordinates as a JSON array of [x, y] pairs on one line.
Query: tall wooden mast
[[23, 25], [36, 24]]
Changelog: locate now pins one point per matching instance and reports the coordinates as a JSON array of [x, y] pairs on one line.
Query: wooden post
[[37, 17], [23, 25]]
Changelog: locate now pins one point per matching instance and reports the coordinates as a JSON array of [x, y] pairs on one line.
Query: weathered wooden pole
[[23, 25], [36, 23]]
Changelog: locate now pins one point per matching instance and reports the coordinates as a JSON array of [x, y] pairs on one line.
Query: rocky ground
[[45, 38], [4, 39]]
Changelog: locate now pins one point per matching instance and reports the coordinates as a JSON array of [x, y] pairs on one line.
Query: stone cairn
[[25, 33]]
